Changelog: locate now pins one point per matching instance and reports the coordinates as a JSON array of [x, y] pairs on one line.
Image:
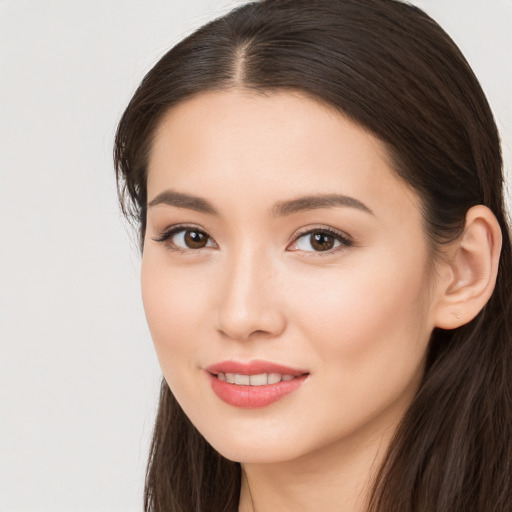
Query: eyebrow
[[180, 200], [314, 202], [280, 209]]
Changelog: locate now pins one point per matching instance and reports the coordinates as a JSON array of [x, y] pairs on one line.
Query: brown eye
[[322, 241], [194, 239], [182, 238]]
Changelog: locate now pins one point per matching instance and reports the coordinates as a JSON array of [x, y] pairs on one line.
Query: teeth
[[261, 379], [274, 378], [242, 380], [258, 380]]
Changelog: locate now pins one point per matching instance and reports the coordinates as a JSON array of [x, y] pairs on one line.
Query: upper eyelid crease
[[344, 238], [280, 209], [173, 230], [321, 229]]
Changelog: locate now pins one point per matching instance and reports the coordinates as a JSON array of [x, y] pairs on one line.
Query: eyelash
[[343, 239], [166, 236]]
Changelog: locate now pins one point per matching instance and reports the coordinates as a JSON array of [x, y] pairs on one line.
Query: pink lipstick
[[254, 384]]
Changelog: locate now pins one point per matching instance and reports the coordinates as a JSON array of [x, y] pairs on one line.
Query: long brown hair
[[393, 70]]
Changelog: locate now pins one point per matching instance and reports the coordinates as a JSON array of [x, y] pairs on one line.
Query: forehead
[[263, 147]]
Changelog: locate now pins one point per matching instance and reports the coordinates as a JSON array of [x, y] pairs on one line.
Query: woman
[[326, 265]]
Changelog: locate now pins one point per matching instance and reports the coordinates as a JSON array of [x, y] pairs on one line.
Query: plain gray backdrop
[[78, 376]]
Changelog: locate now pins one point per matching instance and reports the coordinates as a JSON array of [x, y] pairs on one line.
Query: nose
[[249, 301]]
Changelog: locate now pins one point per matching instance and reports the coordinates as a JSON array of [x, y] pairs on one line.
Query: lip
[[253, 368], [252, 397]]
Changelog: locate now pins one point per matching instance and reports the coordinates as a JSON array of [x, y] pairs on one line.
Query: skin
[[358, 317]]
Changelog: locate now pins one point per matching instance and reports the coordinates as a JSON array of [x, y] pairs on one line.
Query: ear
[[467, 275]]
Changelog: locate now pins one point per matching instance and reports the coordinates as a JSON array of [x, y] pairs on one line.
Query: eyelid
[[166, 235], [344, 239]]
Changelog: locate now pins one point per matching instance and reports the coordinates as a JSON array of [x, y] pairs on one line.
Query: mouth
[[260, 379], [255, 384]]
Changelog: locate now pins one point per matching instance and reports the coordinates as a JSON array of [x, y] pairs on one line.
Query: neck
[[337, 477]]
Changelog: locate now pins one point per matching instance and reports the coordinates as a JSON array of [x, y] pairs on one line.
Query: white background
[[78, 376]]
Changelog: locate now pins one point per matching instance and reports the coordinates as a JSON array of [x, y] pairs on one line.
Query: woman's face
[[286, 275]]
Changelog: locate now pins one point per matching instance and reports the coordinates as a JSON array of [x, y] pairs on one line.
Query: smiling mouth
[[261, 379], [255, 384]]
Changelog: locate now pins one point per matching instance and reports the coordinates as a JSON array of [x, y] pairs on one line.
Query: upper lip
[[255, 367]]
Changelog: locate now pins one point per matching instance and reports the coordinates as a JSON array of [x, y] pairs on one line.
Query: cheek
[[367, 333], [368, 317], [174, 313]]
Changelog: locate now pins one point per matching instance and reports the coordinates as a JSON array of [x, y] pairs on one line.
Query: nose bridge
[[248, 302]]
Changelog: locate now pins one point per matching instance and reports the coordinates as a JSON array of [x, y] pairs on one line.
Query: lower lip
[[253, 397]]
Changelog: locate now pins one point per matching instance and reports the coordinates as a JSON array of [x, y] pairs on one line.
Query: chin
[[257, 454], [244, 445]]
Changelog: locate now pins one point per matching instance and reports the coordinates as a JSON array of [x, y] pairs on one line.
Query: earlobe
[[468, 276]]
